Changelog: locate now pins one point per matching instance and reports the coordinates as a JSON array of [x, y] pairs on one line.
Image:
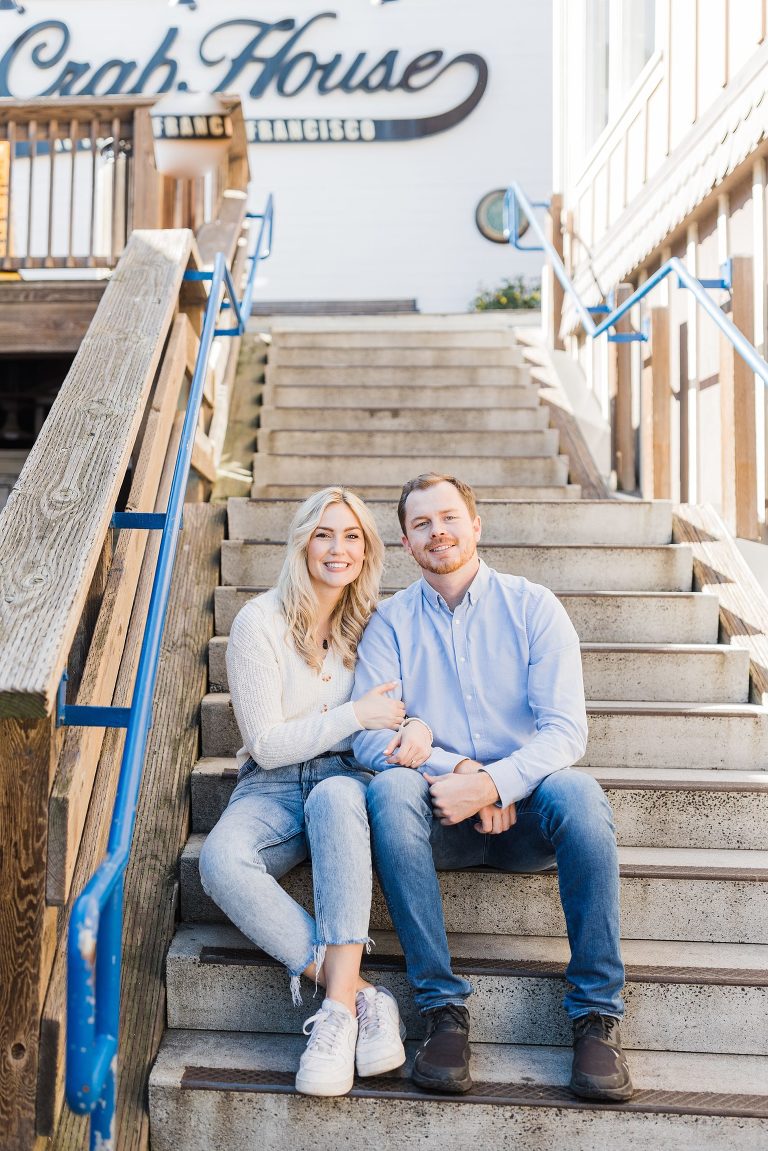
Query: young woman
[[290, 661]]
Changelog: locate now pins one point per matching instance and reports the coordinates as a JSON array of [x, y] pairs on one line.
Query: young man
[[492, 664]]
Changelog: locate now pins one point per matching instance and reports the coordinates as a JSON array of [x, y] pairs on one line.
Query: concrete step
[[572, 568], [395, 335], [459, 443], [504, 522], [652, 807], [714, 673], [317, 356], [391, 492], [715, 896], [728, 736], [317, 395], [384, 378], [679, 996], [398, 419], [599, 617], [724, 737], [395, 470], [218, 1089]]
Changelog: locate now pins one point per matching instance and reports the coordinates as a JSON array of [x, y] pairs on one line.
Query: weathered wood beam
[[53, 524], [74, 780], [28, 752]]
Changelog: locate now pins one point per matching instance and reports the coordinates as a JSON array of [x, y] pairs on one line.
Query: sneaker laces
[[601, 1026], [372, 1018], [447, 1017], [325, 1027]]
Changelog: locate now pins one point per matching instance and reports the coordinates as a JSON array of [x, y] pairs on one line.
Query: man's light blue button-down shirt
[[498, 679]]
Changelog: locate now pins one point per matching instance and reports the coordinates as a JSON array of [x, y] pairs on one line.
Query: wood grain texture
[[77, 768], [737, 413], [719, 568], [94, 839], [161, 828], [56, 518], [620, 390], [655, 445], [27, 753]]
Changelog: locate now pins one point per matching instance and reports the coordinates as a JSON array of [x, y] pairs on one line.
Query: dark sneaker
[[599, 1065], [442, 1061]]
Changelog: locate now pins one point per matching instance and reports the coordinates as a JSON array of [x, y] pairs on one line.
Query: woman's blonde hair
[[297, 596]]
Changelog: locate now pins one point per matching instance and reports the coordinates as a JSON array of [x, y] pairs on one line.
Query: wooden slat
[[719, 568], [28, 750], [53, 524], [620, 390], [52, 1037], [161, 829], [737, 413], [554, 287], [655, 444], [53, 132], [82, 746], [223, 233], [203, 460]]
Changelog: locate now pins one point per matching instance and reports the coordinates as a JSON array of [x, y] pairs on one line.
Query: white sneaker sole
[[388, 1061], [306, 1085]]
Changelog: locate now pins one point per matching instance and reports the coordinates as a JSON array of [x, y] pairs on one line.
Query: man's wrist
[[493, 791]]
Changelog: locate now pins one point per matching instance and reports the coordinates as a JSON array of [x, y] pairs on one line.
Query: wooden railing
[[73, 594], [77, 177]]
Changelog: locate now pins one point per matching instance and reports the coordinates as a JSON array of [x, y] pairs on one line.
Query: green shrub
[[511, 294]]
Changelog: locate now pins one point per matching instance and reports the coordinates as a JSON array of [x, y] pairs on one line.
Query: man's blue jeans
[[566, 820]]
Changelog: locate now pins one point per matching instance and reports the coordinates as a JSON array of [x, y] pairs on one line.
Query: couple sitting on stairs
[[477, 773]]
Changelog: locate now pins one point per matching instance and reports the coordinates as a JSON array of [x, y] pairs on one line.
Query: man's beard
[[443, 563]]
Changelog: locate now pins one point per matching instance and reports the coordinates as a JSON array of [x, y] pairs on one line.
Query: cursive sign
[[257, 58]]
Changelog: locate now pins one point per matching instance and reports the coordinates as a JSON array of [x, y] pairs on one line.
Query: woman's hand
[[375, 710], [411, 747]]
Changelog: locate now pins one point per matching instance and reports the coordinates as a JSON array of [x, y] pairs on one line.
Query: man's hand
[[491, 820], [459, 796]]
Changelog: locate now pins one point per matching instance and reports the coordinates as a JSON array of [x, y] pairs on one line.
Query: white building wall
[[355, 220]]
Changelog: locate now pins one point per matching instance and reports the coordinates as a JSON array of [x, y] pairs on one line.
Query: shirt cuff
[[508, 781], [441, 762]]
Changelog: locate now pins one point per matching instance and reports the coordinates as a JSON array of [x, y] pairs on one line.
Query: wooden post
[[554, 290], [28, 752], [620, 391], [655, 472], [737, 413], [683, 396]]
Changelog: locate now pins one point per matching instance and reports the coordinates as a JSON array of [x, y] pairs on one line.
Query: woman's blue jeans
[[273, 821], [566, 820]]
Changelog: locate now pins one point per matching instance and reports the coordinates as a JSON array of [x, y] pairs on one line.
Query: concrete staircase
[[673, 741]]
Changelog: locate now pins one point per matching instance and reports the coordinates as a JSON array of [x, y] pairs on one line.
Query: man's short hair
[[428, 480]]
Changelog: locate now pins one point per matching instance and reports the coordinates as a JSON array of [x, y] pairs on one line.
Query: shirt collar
[[473, 592]]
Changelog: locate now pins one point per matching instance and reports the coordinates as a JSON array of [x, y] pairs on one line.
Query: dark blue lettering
[[159, 60], [287, 72], [123, 68], [38, 58]]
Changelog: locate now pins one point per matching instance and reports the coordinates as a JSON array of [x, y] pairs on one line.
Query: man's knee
[[574, 795], [398, 783]]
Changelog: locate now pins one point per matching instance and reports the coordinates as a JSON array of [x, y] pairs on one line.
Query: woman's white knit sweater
[[286, 711]]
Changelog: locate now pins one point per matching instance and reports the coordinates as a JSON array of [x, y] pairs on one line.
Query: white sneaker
[[381, 1032], [327, 1066]]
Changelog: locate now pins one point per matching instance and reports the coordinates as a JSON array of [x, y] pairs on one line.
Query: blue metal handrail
[[515, 199], [95, 932]]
